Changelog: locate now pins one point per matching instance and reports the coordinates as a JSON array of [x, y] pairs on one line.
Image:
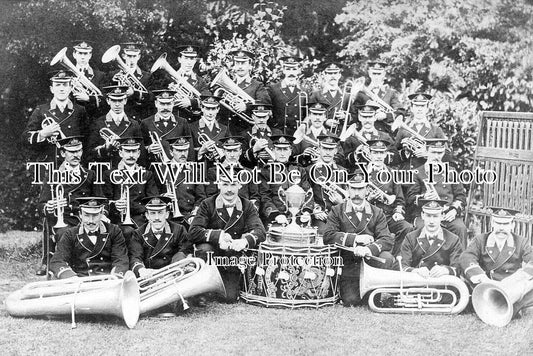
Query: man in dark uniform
[[67, 119], [242, 76], [273, 209], [139, 103], [135, 180], [324, 170], [256, 155], [377, 73], [164, 124], [209, 127], [225, 225], [92, 247], [82, 53], [232, 148], [357, 224], [120, 125], [453, 193], [159, 242], [431, 251], [388, 196], [188, 195], [289, 99], [57, 196], [499, 253]]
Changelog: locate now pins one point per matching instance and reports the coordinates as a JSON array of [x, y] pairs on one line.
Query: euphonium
[[163, 157], [58, 194], [47, 121], [413, 143], [103, 295], [182, 87], [177, 281], [107, 134], [124, 77], [382, 196], [231, 94], [215, 153], [496, 302], [412, 293], [82, 84]]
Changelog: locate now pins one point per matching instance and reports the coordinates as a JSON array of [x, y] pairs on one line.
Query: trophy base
[[287, 235]]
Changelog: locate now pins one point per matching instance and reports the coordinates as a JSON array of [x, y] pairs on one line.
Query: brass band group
[[390, 233]]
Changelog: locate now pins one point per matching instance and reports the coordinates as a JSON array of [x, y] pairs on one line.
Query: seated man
[[497, 254], [431, 251], [92, 247], [159, 242], [358, 224], [225, 225]]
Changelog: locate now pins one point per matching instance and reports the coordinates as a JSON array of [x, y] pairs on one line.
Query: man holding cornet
[[92, 247], [55, 120]]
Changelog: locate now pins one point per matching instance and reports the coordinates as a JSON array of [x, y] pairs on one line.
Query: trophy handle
[[283, 197], [310, 193]]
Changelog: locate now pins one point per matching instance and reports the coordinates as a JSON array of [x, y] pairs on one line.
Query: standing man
[[357, 224], [63, 119], [289, 99], [225, 225], [92, 247]]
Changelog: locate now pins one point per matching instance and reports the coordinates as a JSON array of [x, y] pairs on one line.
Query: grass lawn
[[244, 329]]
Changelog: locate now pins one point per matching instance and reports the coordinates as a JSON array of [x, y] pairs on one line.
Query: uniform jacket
[[77, 255], [219, 131], [212, 220], [305, 160], [286, 107], [416, 251], [138, 106], [389, 188], [483, 256], [248, 158], [407, 159], [343, 226], [146, 251]]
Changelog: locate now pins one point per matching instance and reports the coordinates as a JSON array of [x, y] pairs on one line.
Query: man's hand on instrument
[[332, 122], [281, 219], [364, 239], [121, 205], [225, 241], [239, 106], [450, 215], [111, 141], [421, 152], [362, 251], [52, 205], [363, 150], [422, 271], [146, 272], [320, 215], [183, 102], [398, 217], [259, 145], [335, 197], [50, 130], [310, 151], [438, 271], [154, 148], [263, 155], [208, 146], [169, 195], [81, 96], [431, 195], [305, 217], [380, 114], [480, 278], [130, 91], [239, 244]]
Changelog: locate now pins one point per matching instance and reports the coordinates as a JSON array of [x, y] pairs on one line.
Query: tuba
[[47, 121], [102, 295], [181, 85], [496, 302], [58, 194], [177, 281], [413, 143], [231, 94], [81, 84], [412, 293], [124, 77]]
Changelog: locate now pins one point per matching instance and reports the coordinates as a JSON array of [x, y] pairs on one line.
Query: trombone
[[124, 77], [163, 157], [82, 84], [58, 194], [47, 121], [215, 153], [231, 95], [349, 91]]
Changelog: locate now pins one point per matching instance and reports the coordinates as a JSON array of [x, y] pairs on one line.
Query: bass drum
[[293, 276]]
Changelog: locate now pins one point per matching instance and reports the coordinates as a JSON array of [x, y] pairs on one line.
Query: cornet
[[82, 84], [58, 194], [215, 153], [331, 188], [231, 94], [171, 189], [413, 143], [124, 77], [163, 157], [47, 121], [385, 198], [125, 196], [253, 140], [182, 87], [107, 134]]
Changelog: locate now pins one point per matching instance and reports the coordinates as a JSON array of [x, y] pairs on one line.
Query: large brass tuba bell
[[177, 281], [231, 94], [412, 293], [103, 295], [496, 302]]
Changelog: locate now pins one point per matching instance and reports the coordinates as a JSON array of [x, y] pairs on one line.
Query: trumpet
[[107, 134], [81, 84], [124, 77], [171, 189], [125, 196], [253, 140], [47, 121], [58, 194], [413, 143], [182, 87], [215, 153], [385, 198], [163, 157], [231, 94]]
